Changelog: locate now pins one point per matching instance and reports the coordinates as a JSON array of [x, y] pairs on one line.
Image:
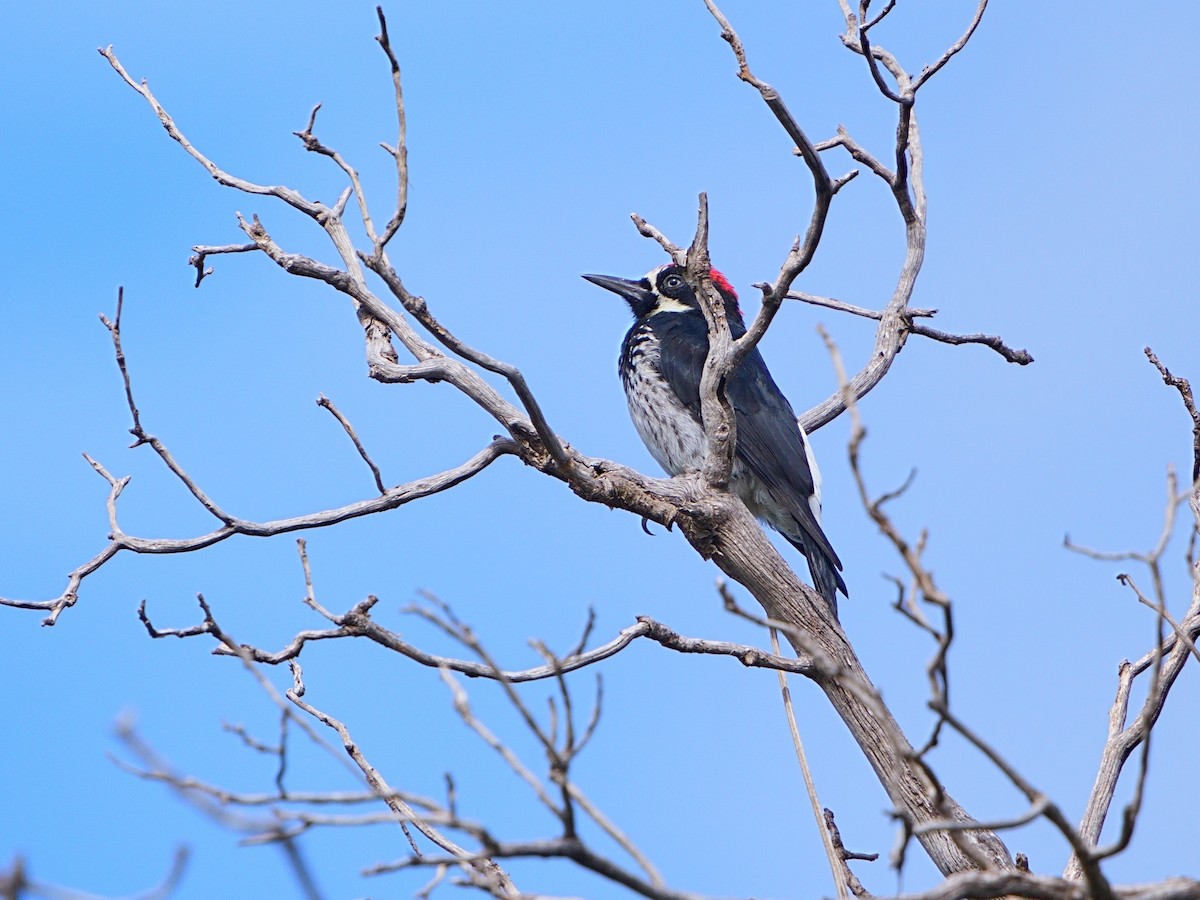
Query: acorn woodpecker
[[662, 358]]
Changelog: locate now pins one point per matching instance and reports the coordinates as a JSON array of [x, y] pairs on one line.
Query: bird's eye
[[672, 282]]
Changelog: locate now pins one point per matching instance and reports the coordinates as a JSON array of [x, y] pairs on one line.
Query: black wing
[[769, 441], [683, 347], [771, 444]]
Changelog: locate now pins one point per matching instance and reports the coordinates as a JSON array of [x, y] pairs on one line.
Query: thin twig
[[929, 71], [357, 623], [200, 253], [391, 499], [400, 151], [856, 886], [139, 433], [1189, 402], [836, 866], [937, 670], [620, 837], [483, 865], [1020, 357], [824, 187], [560, 848], [462, 705], [326, 403], [288, 195], [843, 306]]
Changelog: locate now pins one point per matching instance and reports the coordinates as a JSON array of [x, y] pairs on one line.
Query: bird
[[662, 358]]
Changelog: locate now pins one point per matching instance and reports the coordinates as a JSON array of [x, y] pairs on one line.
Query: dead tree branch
[[1189, 403], [906, 183], [1164, 661], [927, 591], [481, 870], [715, 524], [292, 813], [326, 403]]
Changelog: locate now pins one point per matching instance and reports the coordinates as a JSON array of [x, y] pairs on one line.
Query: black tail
[[826, 579], [825, 576]]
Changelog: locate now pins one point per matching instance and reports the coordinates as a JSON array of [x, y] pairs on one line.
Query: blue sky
[[1061, 216]]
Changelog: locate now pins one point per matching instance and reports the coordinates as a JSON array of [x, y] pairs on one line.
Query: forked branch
[[715, 524], [1164, 662]]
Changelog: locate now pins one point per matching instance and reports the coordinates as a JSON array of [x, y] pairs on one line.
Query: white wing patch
[[814, 502]]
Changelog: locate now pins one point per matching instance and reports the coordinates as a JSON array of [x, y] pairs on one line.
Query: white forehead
[[652, 275]]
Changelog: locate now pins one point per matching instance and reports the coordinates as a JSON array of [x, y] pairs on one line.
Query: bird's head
[[664, 290]]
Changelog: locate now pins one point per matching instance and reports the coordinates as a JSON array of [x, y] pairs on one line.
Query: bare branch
[[287, 195], [1020, 357], [417, 307], [208, 626], [838, 183], [905, 98], [858, 153], [836, 866], [748, 656], [1189, 402], [391, 499], [350, 281], [716, 412], [118, 540], [114, 330], [881, 15], [70, 594], [325, 402], [906, 183], [1098, 886], [929, 71], [1180, 632], [619, 837], [358, 623], [802, 252], [843, 306], [645, 229], [201, 253], [400, 151], [140, 435], [1133, 808], [938, 671], [1017, 883], [1122, 739], [1165, 660], [835, 836], [314, 145], [462, 706], [558, 757], [479, 867], [560, 848], [212, 805], [715, 525], [240, 732]]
